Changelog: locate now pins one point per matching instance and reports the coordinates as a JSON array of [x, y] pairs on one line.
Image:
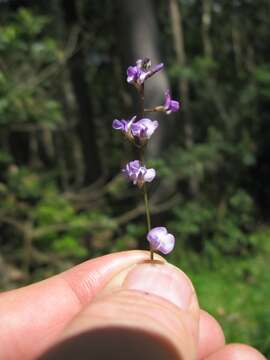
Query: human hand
[[118, 306]]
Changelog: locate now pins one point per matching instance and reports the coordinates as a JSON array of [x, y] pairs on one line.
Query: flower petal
[[144, 128], [149, 175], [167, 244], [175, 105], [155, 70], [158, 67], [167, 99], [157, 231], [132, 74], [152, 128], [134, 165], [143, 76], [170, 105], [118, 124], [161, 240], [137, 128]]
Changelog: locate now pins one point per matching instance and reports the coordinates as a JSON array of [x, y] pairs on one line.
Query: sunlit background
[[62, 197]]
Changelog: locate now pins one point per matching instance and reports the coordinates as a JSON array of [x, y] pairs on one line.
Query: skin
[[100, 308]]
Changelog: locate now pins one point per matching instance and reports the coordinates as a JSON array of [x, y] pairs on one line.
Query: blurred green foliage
[[50, 219]]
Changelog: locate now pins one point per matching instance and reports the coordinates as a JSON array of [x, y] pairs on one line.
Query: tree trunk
[[66, 149], [212, 86], [206, 25], [183, 85]]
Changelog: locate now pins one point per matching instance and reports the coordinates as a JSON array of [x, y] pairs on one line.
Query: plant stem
[[146, 201], [148, 216], [141, 92]]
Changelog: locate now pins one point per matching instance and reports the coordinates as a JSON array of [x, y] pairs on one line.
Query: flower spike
[[139, 130]]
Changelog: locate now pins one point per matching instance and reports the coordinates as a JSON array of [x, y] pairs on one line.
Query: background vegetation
[[62, 200]]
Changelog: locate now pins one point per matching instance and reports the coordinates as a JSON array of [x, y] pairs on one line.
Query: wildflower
[[142, 129], [161, 240], [124, 126], [170, 105], [141, 71], [138, 174]]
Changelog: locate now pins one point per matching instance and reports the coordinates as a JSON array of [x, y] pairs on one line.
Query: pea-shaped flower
[[142, 129], [170, 105], [161, 240], [124, 126], [141, 71], [138, 174]]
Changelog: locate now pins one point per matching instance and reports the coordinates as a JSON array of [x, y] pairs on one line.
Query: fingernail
[[162, 280]]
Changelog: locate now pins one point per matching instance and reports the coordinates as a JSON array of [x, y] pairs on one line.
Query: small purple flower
[[133, 74], [120, 125], [141, 71], [138, 174], [170, 105], [161, 240], [124, 126], [144, 128]]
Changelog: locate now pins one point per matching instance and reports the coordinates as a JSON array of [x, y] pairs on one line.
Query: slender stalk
[[155, 109], [150, 110], [147, 209], [145, 194], [141, 92], [148, 216]]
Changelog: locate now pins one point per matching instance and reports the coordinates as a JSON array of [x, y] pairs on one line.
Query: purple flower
[[170, 105], [144, 128], [141, 71], [133, 74], [124, 126], [161, 240], [138, 174]]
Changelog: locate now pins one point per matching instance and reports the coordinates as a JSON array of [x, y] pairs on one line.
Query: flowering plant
[[138, 130]]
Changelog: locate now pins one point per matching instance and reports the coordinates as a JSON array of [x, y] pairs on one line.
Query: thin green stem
[[148, 216], [146, 201], [147, 209]]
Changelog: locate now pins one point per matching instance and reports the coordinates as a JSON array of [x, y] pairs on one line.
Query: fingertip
[[165, 281], [236, 352], [211, 336]]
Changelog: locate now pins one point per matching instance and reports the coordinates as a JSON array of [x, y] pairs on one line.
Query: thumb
[[147, 312]]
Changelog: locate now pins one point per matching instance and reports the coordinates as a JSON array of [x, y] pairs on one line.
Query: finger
[[33, 316], [151, 313], [236, 352], [211, 337]]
